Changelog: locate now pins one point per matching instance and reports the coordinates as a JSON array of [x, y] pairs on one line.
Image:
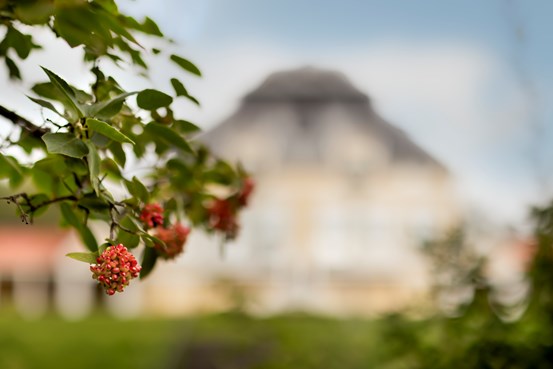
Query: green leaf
[[193, 99], [130, 240], [13, 70], [93, 203], [69, 215], [168, 136], [37, 200], [20, 42], [184, 126], [138, 190], [109, 108], [47, 90], [149, 259], [9, 167], [142, 191], [83, 25], [103, 247], [36, 12], [186, 65], [65, 144], [93, 166], [87, 257], [150, 27], [105, 129], [88, 238], [180, 90], [46, 104], [116, 26], [67, 92], [72, 219], [111, 167], [153, 99], [118, 153]]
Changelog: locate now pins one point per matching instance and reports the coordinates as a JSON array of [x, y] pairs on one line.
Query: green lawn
[[217, 341], [297, 341], [97, 342]]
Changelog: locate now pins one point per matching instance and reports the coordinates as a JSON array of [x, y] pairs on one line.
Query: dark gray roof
[[305, 95], [306, 84]]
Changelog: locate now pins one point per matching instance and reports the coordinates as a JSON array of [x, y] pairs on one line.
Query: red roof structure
[[29, 248]]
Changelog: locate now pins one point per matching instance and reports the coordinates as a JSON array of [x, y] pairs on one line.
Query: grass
[[97, 342], [234, 340], [218, 341]]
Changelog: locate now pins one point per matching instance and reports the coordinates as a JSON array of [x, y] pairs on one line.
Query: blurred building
[[343, 202]]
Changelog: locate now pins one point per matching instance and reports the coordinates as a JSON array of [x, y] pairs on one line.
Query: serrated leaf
[[168, 136], [93, 166], [87, 257], [65, 144], [185, 64], [105, 129], [150, 99], [66, 91]]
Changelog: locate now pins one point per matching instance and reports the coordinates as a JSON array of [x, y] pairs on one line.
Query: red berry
[[222, 217], [246, 191], [174, 238], [114, 268], [152, 215]]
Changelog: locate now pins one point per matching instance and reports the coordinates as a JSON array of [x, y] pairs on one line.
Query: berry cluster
[[222, 212], [152, 215], [174, 238], [114, 269], [222, 217], [246, 191]]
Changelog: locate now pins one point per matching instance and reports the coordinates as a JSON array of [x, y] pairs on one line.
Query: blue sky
[[470, 81]]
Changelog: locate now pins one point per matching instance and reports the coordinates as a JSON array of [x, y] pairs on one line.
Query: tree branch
[[18, 120], [25, 217]]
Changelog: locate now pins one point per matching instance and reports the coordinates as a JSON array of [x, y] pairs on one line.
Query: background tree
[[84, 149]]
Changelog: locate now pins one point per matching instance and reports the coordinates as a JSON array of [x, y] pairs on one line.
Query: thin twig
[[28, 217], [27, 125]]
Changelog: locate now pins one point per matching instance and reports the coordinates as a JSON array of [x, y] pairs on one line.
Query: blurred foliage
[[78, 157]]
